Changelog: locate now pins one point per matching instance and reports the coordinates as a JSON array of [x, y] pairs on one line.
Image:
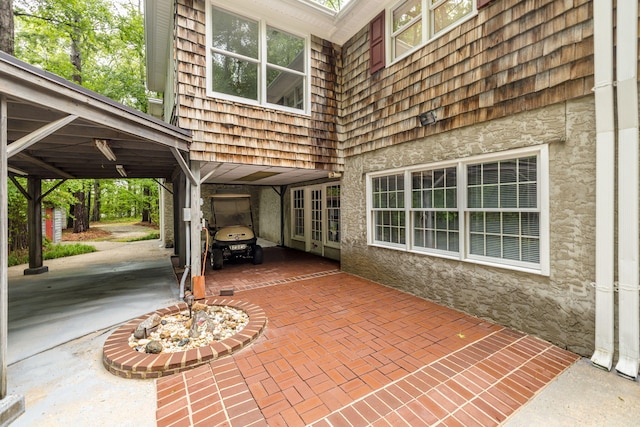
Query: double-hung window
[[414, 22], [434, 213], [252, 61], [504, 214], [490, 209], [388, 209]]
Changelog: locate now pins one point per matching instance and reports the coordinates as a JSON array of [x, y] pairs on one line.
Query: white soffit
[[234, 173], [307, 17]]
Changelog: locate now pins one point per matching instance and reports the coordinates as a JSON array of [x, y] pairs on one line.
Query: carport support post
[[34, 224], [179, 239], [11, 407], [196, 223]]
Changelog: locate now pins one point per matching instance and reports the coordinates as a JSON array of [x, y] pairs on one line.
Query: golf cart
[[231, 229]]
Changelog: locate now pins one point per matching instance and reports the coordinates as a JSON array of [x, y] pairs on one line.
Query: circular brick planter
[[123, 361]]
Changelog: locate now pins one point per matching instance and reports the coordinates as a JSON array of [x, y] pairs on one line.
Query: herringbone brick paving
[[340, 350]]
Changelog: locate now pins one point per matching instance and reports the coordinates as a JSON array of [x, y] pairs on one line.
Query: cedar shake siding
[[514, 56], [227, 131]]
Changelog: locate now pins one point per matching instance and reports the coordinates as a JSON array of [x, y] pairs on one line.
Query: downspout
[[628, 185], [605, 183]]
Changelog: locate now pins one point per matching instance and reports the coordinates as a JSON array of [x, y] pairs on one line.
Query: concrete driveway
[[58, 322]]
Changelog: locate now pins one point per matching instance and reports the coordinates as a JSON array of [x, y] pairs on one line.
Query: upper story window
[[414, 22], [254, 62]]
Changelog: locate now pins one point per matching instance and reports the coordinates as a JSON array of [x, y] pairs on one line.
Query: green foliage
[[59, 250], [109, 37], [333, 4], [17, 218], [51, 252], [123, 199], [154, 235]]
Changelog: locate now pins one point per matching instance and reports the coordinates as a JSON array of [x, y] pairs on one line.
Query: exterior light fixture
[[427, 118], [121, 171], [103, 146]]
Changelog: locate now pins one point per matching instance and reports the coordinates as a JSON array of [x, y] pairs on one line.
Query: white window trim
[[426, 39], [543, 268], [262, 63], [294, 236]]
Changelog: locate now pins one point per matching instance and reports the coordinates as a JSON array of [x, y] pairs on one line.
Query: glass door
[[316, 221]]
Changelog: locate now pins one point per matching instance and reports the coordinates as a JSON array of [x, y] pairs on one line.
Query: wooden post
[[195, 225], [179, 242], [4, 248], [34, 224]]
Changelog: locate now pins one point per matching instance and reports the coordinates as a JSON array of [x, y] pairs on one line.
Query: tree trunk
[[95, 213], [70, 219], [6, 26], [146, 211], [87, 209], [80, 224], [76, 55]]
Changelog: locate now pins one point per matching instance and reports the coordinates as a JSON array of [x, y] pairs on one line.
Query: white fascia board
[[305, 16]]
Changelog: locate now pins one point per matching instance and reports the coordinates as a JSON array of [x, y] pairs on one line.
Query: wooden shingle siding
[[227, 131], [513, 56]]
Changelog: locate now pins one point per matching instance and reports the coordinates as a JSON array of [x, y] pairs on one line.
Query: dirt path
[[109, 232]]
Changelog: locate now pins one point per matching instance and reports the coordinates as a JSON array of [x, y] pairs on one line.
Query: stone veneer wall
[[558, 308]]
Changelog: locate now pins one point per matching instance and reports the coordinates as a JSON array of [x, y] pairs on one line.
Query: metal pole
[[4, 249]]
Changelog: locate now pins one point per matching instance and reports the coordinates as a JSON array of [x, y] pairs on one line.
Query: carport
[[53, 129]]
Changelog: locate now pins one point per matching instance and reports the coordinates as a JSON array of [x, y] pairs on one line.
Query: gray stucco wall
[[559, 307], [269, 219]]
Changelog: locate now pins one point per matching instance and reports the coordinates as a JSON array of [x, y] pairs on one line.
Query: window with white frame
[[388, 209], [504, 215], [333, 213], [414, 22], [253, 61], [434, 209], [486, 209], [298, 212]]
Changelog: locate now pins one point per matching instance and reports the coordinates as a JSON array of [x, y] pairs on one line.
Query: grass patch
[[50, 251], [154, 235]]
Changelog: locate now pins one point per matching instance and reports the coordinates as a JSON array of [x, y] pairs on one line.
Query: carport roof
[[53, 125]]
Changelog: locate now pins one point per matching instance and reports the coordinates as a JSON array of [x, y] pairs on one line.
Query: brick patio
[[339, 350]]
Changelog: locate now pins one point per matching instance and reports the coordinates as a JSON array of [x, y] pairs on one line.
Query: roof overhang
[[247, 174], [53, 125], [301, 16]]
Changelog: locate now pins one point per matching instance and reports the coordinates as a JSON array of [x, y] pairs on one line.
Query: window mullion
[[286, 70], [235, 55], [426, 20], [407, 25], [262, 57], [461, 172], [408, 220]]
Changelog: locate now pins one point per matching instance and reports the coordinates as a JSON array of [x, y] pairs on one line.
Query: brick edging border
[[121, 360]]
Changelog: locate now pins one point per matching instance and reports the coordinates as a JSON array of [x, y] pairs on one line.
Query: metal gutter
[[628, 186], [605, 184]]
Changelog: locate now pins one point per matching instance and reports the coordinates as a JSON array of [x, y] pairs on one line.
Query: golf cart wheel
[[216, 259], [257, 255]]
